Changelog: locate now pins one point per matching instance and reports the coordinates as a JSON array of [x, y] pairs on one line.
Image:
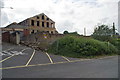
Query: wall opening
[[51, 24], [47, 31], [42, 24], [47, 18], [51, 32], [38, 24], [42, 17], [37, 17], [32, 22], [32, 31], [47, 24]]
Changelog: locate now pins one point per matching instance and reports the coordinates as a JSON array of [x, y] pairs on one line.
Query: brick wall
[[11, 38], [26, 32], [43, 40], [6, 37]]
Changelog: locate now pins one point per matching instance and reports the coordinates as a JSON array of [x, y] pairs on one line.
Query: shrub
[[116, 42], [81, 47]]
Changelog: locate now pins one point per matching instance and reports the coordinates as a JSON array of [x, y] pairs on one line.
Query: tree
[[71, 33], [65, 32], [103, 33], [103, 30]]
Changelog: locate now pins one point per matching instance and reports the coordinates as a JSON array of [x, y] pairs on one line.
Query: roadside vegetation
[[72, 46], [107, 34], [104, 41]]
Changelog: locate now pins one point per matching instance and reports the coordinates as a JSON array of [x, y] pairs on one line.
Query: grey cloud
[[93, 4], [104, 19], [56, 1], [65, 25], [23, 13], [1, 4], [4, 19], [26, 11]]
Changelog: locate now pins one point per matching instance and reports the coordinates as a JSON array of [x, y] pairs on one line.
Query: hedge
[[72, 46]]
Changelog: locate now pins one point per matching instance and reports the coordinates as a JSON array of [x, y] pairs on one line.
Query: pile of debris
[[35, 46]]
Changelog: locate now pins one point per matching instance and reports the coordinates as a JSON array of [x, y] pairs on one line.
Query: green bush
[[81, 47], [116, 42]]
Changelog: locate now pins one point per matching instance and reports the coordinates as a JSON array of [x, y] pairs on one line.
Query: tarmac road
[[30, 63]]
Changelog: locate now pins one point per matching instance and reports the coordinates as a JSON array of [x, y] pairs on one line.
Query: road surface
[[23, 62]]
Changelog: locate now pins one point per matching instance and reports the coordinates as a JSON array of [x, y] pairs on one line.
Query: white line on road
[[49, 57], [23, 66], [30, 58], [42, 64], [66, 58], [25, 49], [6, 58], [9, 56], [8, 49]]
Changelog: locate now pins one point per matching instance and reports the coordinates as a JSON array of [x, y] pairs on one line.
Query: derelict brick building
[[39, 23]]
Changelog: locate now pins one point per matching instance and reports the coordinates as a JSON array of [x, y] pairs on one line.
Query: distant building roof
[[11, 24], [16, 26], [38, 15]]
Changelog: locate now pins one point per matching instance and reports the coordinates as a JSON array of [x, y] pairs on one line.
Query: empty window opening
[[47, 18], [32, 31], [51, 24], [51, 32], [42, 17], [47, 31], [42, 24], [37, 17], [38, 24], [47, 24], [32, 22]]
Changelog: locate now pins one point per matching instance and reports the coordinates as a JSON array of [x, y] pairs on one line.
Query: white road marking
[[6, 58], [10, 56], [30, 58], [66, 58], [49, 58], [23, 66], [8, 49]]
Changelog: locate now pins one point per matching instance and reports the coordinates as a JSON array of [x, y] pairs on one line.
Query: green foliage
[[102, 33], [71, 33], [116, 42], [81, 47], [65, 32], [103, 30]]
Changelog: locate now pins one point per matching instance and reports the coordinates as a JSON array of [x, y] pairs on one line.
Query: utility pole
[[113, 29], [84, 31]]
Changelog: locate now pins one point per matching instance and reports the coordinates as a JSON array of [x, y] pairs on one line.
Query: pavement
[[23, 62]]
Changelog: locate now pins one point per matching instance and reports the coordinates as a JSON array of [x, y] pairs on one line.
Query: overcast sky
[[70, 15]]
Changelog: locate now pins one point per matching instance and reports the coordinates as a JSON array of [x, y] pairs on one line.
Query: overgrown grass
[[72, 46], [116, 42]]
